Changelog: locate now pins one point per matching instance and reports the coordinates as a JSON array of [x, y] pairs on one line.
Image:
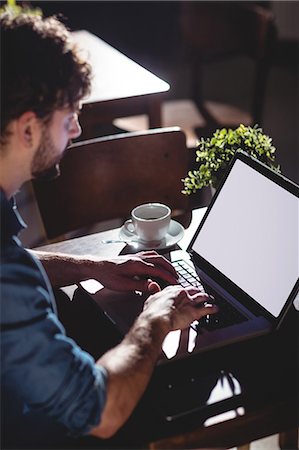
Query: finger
[[162, 262], [148, 270], [147, 253], [130, 285], [199, 298], [193, 291], [141, 284], [209, 308], [153, 287], [158, 260], [205, 310], [205, 306]]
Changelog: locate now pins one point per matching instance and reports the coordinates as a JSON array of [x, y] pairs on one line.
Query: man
[[50, 387]]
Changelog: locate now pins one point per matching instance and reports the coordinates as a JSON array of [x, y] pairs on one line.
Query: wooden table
[[266, 369], [120, 86]]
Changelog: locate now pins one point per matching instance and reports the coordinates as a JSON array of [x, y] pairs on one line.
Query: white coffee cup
[[150, 221]]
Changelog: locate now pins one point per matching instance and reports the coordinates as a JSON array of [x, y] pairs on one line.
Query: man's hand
[[122, 273], [131, 363], [135, 272], [177, 307]]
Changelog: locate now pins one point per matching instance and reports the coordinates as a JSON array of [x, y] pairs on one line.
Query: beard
[[45, 163], [48, 174]]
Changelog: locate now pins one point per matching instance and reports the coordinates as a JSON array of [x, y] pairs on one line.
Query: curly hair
[[41, 68]]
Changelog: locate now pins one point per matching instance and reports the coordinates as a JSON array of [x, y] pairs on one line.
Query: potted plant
[[214, 154], [13, 9]]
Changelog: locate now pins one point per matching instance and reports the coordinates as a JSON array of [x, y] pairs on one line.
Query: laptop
[[244, 253]]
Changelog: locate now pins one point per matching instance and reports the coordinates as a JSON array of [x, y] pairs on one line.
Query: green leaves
[[214, 154], [14, 10]]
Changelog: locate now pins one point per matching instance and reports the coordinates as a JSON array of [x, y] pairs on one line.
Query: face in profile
[[45, 163], [55, 138]]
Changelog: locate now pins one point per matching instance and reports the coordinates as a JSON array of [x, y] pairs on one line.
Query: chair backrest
[[105, 178], [213, 31]]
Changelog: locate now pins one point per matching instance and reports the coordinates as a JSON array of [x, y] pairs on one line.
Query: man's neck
[[14, 168], [11, 178]]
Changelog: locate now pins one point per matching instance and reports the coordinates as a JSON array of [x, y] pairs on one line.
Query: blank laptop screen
[[251, 236]]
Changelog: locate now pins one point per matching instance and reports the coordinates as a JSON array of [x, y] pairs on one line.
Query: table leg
[[243, 447], [154, 113], [288, 440]]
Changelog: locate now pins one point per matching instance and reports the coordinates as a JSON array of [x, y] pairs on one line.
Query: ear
[[28, 129]]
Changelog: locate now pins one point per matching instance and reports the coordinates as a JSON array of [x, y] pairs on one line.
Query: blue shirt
[[50, 387]]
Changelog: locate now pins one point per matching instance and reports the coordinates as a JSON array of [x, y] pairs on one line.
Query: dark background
[[148, 32]]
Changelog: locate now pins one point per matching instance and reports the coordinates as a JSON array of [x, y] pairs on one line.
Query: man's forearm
[[129, 366], [63, 269], [120, 273]]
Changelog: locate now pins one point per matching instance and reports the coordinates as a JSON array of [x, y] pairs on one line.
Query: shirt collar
[[11, 221]]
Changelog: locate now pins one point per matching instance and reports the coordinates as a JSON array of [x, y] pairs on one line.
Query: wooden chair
[[223, 31], [105, 178], [219, 32]]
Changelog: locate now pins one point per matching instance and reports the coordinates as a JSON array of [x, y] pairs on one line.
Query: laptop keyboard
[[227, 315], [187, 275]]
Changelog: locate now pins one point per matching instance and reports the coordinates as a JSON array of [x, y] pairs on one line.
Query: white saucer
[[173, 236]]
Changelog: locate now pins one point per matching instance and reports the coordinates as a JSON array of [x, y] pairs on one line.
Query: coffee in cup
[[150, 221]]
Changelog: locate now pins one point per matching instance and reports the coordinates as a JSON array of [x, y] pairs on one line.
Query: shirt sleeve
[[45, 368]]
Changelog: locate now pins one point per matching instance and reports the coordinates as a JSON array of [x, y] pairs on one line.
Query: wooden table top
[[115, 76], [93, 244]]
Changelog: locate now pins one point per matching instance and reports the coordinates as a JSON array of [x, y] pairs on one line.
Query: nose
[[75, 129]]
